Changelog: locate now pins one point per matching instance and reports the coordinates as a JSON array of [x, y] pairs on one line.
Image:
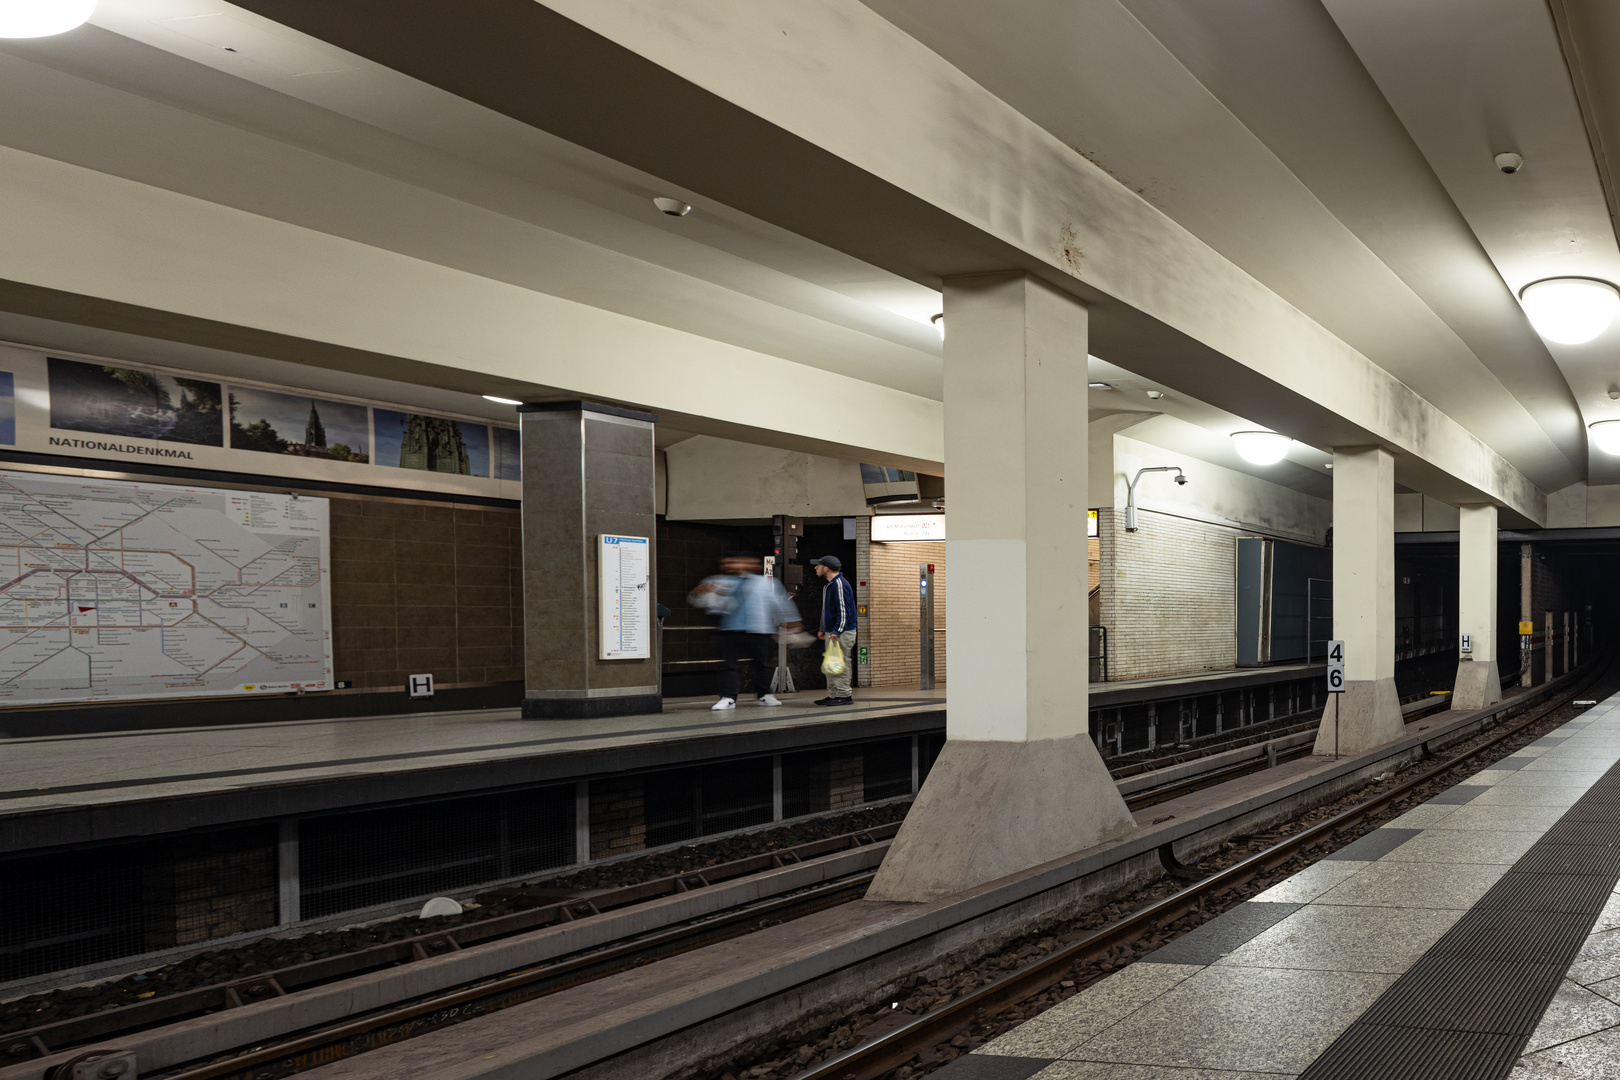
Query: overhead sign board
[[623, 570], [893, 528]]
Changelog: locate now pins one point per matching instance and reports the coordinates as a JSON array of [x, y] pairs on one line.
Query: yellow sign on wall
[[1527, 627]]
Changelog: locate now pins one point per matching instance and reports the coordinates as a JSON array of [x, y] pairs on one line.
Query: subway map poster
[[113, 590]]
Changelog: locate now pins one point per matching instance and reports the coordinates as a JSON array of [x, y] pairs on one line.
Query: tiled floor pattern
[[1263, 990]]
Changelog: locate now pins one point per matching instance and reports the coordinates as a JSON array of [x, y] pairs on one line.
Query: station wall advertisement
[[116, 412]]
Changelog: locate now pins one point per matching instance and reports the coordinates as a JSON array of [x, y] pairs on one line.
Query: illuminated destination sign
[[889, 528]]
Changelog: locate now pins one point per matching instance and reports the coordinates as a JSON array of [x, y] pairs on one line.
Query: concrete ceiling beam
[[823, 118], [82, 246]]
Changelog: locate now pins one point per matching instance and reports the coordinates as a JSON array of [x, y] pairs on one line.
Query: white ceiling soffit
[[1474, 78], [1091, 73], [1200, 430], [237, 109]]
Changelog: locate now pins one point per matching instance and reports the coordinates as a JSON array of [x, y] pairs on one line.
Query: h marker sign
[[1335, 667], [421, 685]]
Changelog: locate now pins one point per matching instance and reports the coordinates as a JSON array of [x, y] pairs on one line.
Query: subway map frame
[[114, 590]]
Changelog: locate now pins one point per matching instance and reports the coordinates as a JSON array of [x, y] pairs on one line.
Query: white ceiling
[[1338, 150]]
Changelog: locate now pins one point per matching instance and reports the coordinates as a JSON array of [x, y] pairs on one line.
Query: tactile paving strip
[[1469, 1005]]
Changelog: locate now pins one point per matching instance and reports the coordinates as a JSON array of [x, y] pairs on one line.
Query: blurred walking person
[[837, 622], [751, 608]]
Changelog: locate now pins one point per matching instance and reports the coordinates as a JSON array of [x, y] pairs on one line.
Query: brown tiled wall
[[894, 614], [210, 900], [425, 588], [618, 819]]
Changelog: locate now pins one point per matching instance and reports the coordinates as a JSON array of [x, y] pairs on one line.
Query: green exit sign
[[863, 660]]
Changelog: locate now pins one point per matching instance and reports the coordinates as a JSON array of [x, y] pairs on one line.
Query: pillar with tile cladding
[[1479, 682], [1019, 782], [1368, 713], [587, 471]]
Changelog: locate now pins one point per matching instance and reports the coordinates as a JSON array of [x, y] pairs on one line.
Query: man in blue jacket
[[837, 620], [752, 608]]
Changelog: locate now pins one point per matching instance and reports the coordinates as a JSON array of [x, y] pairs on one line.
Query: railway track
[[903, 1044], [293, 1051]]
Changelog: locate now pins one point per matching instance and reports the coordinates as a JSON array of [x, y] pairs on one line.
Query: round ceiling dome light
[[1606, 433], [1261, 447], [1570, 311], [42, 18]]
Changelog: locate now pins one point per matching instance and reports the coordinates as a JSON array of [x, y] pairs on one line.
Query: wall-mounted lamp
[[1130, 491]]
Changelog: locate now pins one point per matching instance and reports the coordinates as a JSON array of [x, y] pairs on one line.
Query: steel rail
[[899, 1046], [396, 1023]]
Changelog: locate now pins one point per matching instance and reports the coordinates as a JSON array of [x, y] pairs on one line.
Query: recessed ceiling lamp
[[1570, 311], [1606, 433], [1100, 386], [939, 324], [665, 204], [1261, 447], [42, 18], [501, 400]]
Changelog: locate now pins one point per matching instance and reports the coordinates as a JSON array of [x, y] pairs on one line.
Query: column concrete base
[[1479, 685], [1368, 715], [990, 809]]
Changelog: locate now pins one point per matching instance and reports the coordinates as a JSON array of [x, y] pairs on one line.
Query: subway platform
[[78, 788], [1476, 936]]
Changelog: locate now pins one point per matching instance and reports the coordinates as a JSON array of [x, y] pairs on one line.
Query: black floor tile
[[1221, 935], [1375, 845], [1460, 794]]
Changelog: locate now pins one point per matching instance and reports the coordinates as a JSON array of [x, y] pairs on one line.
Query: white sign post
[[1335, 679], [624, 582]]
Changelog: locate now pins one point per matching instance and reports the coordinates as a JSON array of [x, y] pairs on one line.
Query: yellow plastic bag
[[832, 661]]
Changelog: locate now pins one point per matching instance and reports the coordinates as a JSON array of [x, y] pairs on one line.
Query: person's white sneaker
[[769, 699], [724, 703]]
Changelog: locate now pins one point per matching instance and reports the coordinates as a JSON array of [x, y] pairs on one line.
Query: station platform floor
[[1476, 936], [75, 788]]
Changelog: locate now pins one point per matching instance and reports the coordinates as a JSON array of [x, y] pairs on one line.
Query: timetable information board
[[624, 571], [114, 590]]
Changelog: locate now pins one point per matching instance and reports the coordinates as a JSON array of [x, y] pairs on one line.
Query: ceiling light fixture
[[42, 18], [1155, 394], [1606, 433], [672, 207], [1570, 311], [939, 324], [1261, 447], [501, 400], [1100, 386]]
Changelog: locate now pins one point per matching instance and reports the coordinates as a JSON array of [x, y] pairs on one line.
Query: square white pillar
[[1479, 681], [1019, 782], [1368, 713]]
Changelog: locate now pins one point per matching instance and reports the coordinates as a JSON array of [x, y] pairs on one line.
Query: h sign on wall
[[1468, 643], [1335, 667], [421, 685]]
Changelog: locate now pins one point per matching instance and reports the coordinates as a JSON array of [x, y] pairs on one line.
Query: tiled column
[[1368, 713], [587, 471], [1479, 682], [1019, 782]]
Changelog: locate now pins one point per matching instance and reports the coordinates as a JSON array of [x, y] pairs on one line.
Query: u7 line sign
[[111, 590]]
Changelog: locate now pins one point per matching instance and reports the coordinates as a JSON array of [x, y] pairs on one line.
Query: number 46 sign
[[1335, 667]]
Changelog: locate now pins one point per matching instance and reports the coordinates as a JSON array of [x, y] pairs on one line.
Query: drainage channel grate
[[1469, 1005]]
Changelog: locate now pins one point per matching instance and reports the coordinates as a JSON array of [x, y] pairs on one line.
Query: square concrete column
[[1479, 682], [1368, 713], [587, 472], [1019, 782]]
